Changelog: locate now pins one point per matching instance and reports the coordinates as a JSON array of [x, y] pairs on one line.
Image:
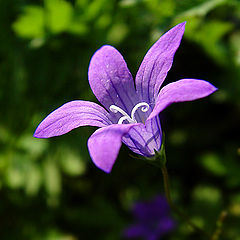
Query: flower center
[[115, 109]]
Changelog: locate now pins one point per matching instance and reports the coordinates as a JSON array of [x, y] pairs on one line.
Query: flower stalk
[[219, 225], [181, 214], [160, 160]]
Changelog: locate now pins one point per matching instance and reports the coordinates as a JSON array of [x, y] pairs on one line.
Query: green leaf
[[94, 9], [207, 194], [52, 177], [15, 172], [33, 180], [213, 164], [77, 27], [31, 145], [235, 47], [209, 35], [157, 7], [31, 23], [71, 162], [59, 15], [204, 8], [117, 33]]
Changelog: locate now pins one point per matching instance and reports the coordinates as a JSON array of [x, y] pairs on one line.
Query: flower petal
[[72, 115], [157, 63], [181, 91], [145, 138], [153, 210], [105, 143], [165, 225], [110, 79], [135, 231]]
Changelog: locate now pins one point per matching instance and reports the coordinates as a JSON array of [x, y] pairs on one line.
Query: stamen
[[145, 108], [120, 121], [115, 109]]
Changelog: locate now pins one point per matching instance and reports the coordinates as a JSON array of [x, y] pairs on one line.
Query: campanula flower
[[130, 109], [152, 220]]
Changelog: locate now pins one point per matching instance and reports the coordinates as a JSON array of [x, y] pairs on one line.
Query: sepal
[[159, 159]]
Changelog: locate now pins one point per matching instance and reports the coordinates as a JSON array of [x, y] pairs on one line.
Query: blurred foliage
[[49, 188]]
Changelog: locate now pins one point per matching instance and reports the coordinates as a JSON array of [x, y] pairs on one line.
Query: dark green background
[[49, 188]]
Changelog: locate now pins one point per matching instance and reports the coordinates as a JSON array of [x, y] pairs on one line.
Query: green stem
[[219, 225], [173, 206]]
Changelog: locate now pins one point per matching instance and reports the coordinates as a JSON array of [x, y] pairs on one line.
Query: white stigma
[[115, 109]]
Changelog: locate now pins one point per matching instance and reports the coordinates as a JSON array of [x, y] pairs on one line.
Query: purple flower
[[152, 220], [130, 113]]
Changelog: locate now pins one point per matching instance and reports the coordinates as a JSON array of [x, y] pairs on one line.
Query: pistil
[[115, 109]]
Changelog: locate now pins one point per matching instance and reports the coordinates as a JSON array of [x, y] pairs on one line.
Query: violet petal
[[157, 63], [181, 91], [135, 231], [165, 225], [111, 81], [153, 210], [72, 115], [152, 220], [105, 143], [143, 139]]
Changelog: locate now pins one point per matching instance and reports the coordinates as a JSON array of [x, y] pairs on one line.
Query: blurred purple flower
[[131, 110], [152, 220]]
